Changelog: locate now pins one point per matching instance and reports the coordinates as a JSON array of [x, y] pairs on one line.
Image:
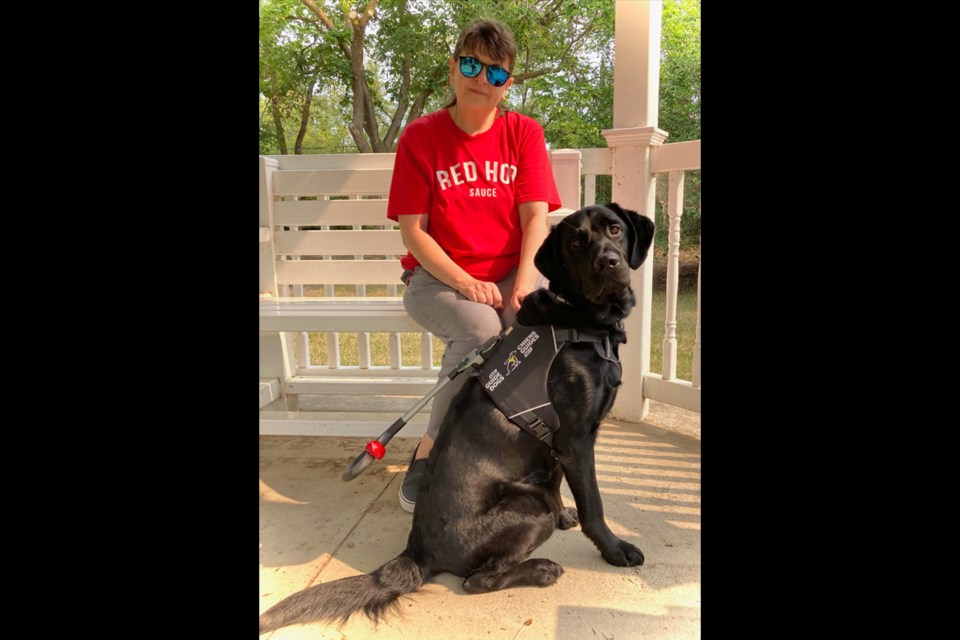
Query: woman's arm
[[533, 221], [413, 231]]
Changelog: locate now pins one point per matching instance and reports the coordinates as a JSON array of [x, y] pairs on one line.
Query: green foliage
[[686, 330], [297, 66], [680, 108], [563, 73], [680, 70]]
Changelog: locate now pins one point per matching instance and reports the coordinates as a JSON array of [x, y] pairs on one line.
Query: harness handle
[[376, 449]]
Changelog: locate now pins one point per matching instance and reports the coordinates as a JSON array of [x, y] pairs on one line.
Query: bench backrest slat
[[340, 243], [334, 212], [332, 182], [339, 272]]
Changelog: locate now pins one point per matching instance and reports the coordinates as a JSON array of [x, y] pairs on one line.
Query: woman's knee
[[480, 324]]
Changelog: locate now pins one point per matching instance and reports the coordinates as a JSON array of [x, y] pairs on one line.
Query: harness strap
[[515, 372], [573, 335]]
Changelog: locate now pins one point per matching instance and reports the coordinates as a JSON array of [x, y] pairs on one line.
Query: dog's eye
[[614, 229], [576, 243]]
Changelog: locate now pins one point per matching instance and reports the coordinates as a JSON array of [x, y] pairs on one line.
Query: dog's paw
[[544, 572], [623, 554], [569, 518]]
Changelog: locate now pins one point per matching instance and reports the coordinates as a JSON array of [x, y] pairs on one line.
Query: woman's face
[[477, 93]]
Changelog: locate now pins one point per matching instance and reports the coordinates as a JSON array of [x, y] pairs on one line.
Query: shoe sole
[[405, 504]]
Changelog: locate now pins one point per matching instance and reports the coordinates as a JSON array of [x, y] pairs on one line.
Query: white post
[[636, 86]]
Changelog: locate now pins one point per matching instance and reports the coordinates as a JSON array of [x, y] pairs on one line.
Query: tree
[[393, 53], [295, 65], [382, 63], [680, 70], [332, 71]]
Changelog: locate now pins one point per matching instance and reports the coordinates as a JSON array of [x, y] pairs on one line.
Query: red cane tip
[[375, 449]]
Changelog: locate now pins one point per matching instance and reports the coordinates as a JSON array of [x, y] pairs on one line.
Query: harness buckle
[[539, 429]]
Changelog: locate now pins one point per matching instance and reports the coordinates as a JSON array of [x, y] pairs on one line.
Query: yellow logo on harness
[[512, 362]]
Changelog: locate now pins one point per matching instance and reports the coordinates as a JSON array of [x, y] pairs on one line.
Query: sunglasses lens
[[497, 75], [470, 67]]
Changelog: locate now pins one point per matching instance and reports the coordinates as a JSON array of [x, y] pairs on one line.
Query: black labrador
[[491, 492]]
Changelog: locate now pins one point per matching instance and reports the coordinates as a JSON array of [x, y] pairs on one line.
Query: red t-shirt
[[470, 186]]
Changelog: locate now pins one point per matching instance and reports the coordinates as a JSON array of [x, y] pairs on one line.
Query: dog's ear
[[548, 259], [641, 233]]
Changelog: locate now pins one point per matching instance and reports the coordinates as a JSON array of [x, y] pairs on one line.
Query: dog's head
[[590, 253]]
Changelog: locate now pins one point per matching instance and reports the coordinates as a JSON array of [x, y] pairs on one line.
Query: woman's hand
[[480, 291], [520, 291]]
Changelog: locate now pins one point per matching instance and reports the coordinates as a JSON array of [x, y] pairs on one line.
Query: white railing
[[354, 231], [669, 161]]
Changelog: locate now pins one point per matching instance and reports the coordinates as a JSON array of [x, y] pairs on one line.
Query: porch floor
[[316, 528]]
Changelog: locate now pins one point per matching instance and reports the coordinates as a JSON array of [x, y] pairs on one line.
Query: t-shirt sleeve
[[535, 174], [410, 184]]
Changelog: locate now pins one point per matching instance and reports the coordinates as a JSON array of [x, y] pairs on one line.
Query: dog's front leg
[[582, 477]]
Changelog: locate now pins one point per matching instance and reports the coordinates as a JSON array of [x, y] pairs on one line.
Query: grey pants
[[461, 324]]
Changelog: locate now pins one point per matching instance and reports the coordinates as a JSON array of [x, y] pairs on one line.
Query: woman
[[471, 189]]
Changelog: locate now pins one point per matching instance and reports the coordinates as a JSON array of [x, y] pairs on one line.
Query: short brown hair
[[491, 38]]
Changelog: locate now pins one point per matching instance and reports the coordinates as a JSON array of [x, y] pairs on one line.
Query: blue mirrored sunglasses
[[496, 75]]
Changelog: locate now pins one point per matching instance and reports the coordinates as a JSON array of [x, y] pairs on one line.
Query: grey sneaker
[[411, 482]]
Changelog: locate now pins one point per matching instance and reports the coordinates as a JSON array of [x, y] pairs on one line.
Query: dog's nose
[[608, 261]]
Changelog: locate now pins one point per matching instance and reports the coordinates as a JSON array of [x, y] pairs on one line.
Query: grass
[[686, 330], [410, 342]]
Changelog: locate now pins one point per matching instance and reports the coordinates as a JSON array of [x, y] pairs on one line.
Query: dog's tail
[[374, 593]]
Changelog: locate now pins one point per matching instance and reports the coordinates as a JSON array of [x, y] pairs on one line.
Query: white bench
[[301, 198]]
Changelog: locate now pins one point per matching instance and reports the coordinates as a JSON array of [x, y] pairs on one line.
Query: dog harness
[[515, 374]]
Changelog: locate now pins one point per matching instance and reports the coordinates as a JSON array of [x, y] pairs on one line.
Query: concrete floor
[[316, 528]]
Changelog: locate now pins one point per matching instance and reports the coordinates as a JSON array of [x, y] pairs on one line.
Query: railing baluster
[[363, 338], [333, 338], [393, 346], [393, 340], [302, 338], [426, 350], [333, 350], [696, 345], [589, 190], [675, 211]]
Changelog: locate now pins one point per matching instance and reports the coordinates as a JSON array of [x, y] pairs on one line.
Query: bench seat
[[386, 380], [337, 423], [384, 314]]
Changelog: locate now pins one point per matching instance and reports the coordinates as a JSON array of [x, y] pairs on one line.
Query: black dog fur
[[491, 492]]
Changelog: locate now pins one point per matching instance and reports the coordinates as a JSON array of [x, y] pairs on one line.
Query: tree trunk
[[360, 93], [402, 101], [277, 120], [304, 117]]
